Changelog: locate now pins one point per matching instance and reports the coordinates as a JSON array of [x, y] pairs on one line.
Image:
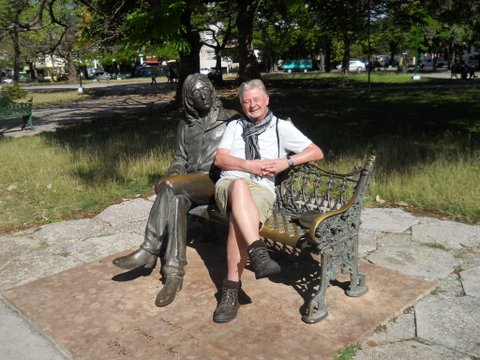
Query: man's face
[[254, 104], [202, 97]]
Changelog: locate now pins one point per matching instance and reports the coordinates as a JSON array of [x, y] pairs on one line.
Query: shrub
[[13, 92]]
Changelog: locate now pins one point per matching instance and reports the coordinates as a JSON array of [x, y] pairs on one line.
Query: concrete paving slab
[[411, 350], [57, 247], [35, 264], [449, 233], [399, 253], [98, 312], [98, 247], [471, 281], [21, 341], [400, 328], [367, 241], [470, 258], [452, 323], [387, 220], [12, 247], [449, 287], [69, 231], [128, 216]]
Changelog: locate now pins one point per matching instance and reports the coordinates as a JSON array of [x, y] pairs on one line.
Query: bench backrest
[[309, 187], [5, 102]]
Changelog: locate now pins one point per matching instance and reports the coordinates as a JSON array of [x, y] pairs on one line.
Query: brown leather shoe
[[167, 294], [136, 259]]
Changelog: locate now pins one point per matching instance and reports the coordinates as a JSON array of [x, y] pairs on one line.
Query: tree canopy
[[332, 31]]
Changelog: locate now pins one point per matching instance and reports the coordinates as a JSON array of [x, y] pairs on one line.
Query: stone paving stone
[[399, 329], [12, 247], [71, 231], [99, 247], [409, 350], [449, 287], [398, 252], [470, 258], [449, 233], [35, 264], [471, 281], [35, 346], [127, 216], [367, 241], [452, 323], [387, 220]]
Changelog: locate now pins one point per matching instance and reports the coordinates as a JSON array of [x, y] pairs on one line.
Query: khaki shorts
[[263, 197]]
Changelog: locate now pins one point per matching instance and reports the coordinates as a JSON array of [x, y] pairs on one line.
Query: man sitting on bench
[[253, 150]]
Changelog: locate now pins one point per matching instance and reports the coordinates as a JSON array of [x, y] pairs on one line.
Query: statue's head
[[198, 95]]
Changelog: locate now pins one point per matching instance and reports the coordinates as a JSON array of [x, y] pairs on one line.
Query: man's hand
[[273, 167]]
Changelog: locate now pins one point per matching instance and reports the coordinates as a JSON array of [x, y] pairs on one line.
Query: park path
[[115, 100]]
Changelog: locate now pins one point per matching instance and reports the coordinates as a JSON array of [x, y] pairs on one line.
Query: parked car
[[204, 70], [101, 75], [144, 73], [432, 64], [298, 65], [354, 65], [373, 65], [124, 75]]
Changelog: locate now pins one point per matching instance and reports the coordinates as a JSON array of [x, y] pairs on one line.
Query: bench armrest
[[356, 197]]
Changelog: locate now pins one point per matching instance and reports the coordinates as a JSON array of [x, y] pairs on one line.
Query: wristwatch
[[290, 161]]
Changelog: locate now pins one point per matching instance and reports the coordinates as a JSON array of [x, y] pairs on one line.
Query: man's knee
[[238, 187]]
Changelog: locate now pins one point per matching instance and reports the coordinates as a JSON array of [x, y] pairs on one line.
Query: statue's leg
[[192, 189], [158, 218], [175, 255], [148, 252]]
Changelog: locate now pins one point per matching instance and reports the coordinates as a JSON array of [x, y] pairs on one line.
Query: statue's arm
[[178, 164]]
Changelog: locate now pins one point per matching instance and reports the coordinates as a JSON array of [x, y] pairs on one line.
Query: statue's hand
[[176, 170]]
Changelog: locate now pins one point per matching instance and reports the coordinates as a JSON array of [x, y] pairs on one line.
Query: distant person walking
[[154, 78]]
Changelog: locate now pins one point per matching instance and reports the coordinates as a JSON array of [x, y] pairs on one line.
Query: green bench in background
[[10, 109]]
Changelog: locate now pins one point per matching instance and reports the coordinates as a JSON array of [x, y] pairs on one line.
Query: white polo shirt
[[290, 139]]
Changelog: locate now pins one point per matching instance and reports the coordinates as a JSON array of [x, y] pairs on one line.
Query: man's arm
[[225, 161], [273, 167], [311, 153]]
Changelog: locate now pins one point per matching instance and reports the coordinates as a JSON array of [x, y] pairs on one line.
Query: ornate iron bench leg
[[27, 121], [317, 308], [357, 279]]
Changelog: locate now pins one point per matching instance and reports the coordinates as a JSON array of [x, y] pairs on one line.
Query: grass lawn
[[425, 136]]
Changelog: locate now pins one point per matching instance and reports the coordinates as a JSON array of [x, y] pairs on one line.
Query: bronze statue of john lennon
[[190, 182]]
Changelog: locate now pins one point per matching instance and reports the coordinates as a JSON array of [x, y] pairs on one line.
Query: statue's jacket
[[197, 143]]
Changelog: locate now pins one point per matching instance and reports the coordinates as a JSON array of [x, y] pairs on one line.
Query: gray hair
[[249, 85]]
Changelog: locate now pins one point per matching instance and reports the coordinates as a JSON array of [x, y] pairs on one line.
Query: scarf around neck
[[250, 135]]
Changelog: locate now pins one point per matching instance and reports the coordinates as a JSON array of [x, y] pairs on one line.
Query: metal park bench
[[317, 211], [10, 109]]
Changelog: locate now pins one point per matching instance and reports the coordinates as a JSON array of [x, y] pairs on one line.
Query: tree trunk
[[248, 67], [328, 54], [189, 62], [73, 72], [16, 54]]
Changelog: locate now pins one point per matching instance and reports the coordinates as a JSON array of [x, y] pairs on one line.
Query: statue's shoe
[[167, 294], [136, 259]]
